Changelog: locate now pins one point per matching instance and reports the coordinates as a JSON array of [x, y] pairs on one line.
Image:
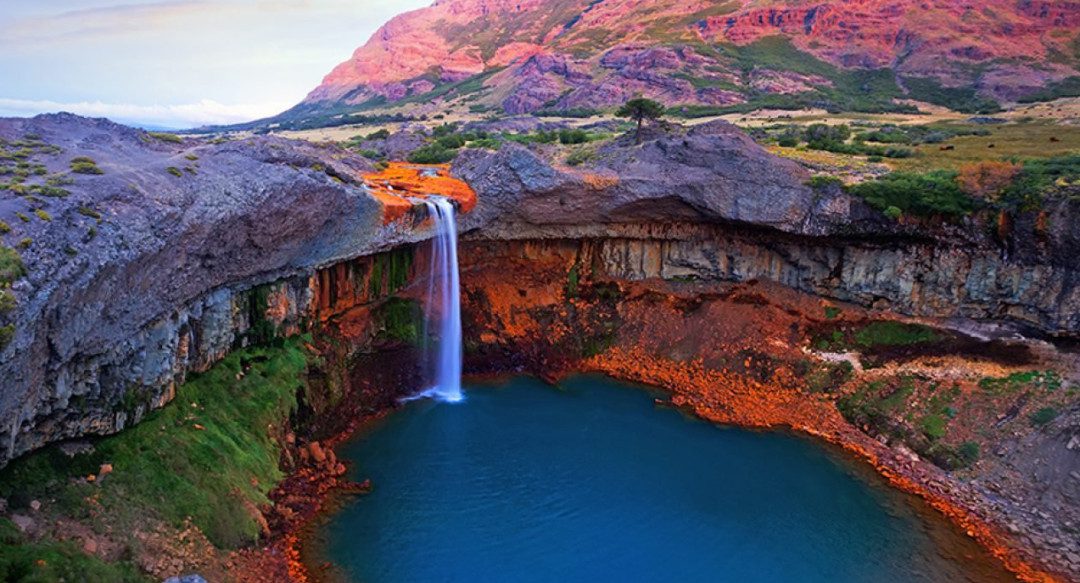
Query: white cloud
[[204, 112]]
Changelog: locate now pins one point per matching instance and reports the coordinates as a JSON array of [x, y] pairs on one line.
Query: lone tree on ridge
[[640, 109]]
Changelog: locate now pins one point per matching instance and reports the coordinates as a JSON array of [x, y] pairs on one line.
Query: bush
[[933, 193], [579, 157], [987, 180], [84, 165], [575, 136], [450, 142], [1043, 416], [167, 137], [444, 130], [823, 181], [788, 142], [432, 154], [893, 213], [11, 265], [968, 452], [378, 135]]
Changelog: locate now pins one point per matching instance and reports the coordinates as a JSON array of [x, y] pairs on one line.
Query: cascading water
[[444, 305]]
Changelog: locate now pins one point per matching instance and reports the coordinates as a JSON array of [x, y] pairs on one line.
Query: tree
[[640, 109]]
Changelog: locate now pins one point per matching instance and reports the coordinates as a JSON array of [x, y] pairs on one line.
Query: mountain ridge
[[528, 56]]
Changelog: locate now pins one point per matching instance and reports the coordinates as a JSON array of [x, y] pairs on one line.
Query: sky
[[176, 63]]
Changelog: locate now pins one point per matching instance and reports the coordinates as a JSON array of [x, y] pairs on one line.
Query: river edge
[[299, 553]]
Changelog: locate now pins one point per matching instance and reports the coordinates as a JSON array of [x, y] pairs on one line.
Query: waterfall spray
[[444, 304]]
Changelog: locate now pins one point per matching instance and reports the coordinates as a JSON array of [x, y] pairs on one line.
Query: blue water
[[590, 481]]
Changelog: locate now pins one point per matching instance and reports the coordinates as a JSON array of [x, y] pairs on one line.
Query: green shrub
[[1043, 416], [4, 228], [85, 165], [823, 182], [450, 142], [444, 130], [23, 217], [43, 215], [893, 213], [432, 154], [378, 135], [933, 193], [174, 171], [579, 157], [11, 265], [167, 137], [968, 452], [933, 426], [788, 142], [574, 136]]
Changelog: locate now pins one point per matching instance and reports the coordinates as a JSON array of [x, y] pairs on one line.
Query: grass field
[[1011, 140]]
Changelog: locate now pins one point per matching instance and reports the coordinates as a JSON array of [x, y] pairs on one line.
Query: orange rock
[[399, 182]]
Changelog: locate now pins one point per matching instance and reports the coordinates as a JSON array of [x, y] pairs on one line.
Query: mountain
[[576, 56]]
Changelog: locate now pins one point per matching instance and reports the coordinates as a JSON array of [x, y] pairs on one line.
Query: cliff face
[[144, 272], [562, 54]]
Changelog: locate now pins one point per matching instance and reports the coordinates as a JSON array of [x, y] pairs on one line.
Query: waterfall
[[443, 305]]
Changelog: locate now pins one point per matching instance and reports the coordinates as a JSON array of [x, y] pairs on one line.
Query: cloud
[[204, 112]]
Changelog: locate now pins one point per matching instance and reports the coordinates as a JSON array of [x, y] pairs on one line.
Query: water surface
[[591, 481]]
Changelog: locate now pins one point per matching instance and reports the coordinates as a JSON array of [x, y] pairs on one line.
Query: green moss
[[1043, 416], [23, 217], [933, 426], [43, 215], [401, 321], [572, 281], [1048, 381], [89, 212], [889, 333], [168, 468], [31, 562], [7, 333], [7, 301], [4, 228], [832, 312], [174, 171]]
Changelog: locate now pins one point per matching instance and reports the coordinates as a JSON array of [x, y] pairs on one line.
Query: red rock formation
[[594, 52]]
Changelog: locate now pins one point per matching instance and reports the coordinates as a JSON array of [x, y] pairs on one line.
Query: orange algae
[[398, 182]]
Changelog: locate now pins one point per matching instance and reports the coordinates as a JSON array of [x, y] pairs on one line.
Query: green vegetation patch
[[204, 456], [31, 562], [1038, 380], [85, 165], [166, 137], [934, 193], [402, 321], [11, 265]]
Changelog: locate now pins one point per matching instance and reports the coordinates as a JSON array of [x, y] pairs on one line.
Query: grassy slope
[[206, 455]]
